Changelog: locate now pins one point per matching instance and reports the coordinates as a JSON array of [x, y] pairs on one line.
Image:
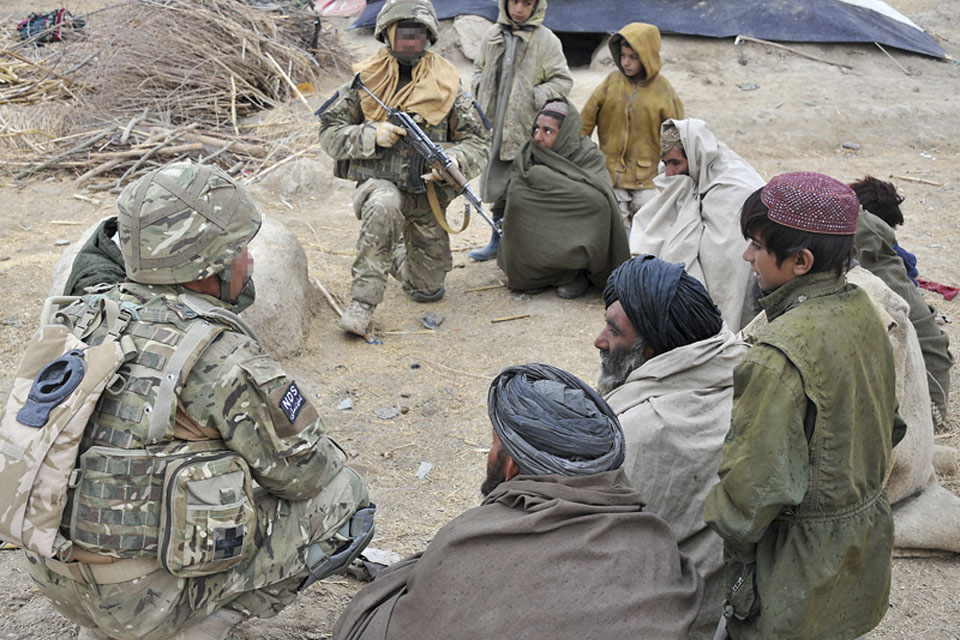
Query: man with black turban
[[562, 547], [666, 370]]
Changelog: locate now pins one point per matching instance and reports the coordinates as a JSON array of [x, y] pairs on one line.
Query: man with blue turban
[[666, 370], [561, 547]]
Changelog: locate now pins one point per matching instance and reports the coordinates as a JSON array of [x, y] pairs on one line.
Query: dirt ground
[[798, 118]]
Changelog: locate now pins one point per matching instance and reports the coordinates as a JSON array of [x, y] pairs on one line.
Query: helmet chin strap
[[246, 296]]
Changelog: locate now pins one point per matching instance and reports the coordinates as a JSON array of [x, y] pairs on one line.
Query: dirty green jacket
[[808, 532], [98, 261], [874, 242], [627, 113], [540, 72]]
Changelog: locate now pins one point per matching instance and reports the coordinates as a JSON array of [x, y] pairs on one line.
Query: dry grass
[[176, 81]]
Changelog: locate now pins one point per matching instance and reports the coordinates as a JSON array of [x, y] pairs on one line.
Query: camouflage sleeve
[[240, 391], [469, 139], [344, 134]]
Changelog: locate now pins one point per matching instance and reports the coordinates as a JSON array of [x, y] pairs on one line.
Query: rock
[[469, 31], [386, 413], [748, 86], [300, 176], [602, 60], [423, 470], [345, 405], [285, 298], [849, 144]]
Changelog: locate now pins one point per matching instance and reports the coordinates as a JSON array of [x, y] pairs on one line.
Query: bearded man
[[666, 370], [561, 548]]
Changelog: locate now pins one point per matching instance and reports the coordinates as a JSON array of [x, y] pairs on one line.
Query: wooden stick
[[260, 174], [233, 104], [460, 371], [283, 73], [130, 125], [486, 288], [34, 64], [68, 223], [161, 150], [97, 170], [69, 152], [920, 180], [902, 68], [791, 50], [509, 318], [326, 294], [419, 332]]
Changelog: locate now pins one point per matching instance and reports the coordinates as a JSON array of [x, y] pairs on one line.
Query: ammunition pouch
[[190, 505]]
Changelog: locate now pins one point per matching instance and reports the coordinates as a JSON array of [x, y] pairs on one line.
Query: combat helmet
[[396, 10], [184, 222]]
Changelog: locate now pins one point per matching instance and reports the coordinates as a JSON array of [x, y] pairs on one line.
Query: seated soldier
[[693, 219], [877, 252], [202, 413], [667, 371], [561, 548], [561, 223]]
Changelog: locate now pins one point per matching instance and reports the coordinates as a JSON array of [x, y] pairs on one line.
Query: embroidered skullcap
[[551, 422], [667, 307], [555, 109], [669, 138], [811, 202]]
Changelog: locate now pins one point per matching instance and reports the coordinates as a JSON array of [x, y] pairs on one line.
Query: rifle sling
[[438, 212]]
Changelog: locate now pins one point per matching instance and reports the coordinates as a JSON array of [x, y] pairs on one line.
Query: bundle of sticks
[[157, 80]]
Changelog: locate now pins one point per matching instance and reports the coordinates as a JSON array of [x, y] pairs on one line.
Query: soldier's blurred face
[[241, 270], [520, 10], [545, 130], [409, 42]]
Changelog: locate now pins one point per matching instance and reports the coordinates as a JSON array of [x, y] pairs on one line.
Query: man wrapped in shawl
[[667, 372], [693, 219], [561, 547], [562, 223]]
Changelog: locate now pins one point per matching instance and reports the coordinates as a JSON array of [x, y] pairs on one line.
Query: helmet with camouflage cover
[[184, 222], [421, 11]]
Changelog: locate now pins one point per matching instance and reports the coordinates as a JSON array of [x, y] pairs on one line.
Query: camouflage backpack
[[54, 393]]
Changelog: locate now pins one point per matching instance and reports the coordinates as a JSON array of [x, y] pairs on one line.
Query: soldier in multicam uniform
[[399, 232], [206, 490]]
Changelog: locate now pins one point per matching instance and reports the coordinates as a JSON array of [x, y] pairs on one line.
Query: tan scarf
[[430, 93]]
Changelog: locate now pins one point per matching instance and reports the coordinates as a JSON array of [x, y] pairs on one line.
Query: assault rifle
[[434, 157]]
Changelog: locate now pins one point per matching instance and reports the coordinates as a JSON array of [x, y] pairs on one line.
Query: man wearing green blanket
[[562, 223]]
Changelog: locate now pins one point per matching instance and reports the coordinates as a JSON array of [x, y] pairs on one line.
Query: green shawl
[[561, 215]]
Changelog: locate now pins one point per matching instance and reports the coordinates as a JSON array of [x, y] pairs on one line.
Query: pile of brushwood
[[146, 82]]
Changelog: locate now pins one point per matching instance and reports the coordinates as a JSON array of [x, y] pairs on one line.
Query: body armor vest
[[114, 506], [400, 164]]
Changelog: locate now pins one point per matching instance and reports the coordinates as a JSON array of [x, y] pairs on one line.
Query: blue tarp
[[780, 20]]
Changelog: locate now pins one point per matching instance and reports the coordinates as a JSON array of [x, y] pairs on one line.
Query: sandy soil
[[798, 117]]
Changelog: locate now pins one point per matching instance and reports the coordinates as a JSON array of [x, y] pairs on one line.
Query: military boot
[[357, 317]]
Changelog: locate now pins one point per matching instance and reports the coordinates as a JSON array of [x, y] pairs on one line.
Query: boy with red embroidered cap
[[808, 533]]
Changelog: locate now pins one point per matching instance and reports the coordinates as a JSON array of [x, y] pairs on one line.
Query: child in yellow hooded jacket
[[627, 109]]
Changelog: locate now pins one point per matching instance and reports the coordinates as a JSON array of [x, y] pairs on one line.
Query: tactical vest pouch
[[40, 431], [115, 507], [207, 519]]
